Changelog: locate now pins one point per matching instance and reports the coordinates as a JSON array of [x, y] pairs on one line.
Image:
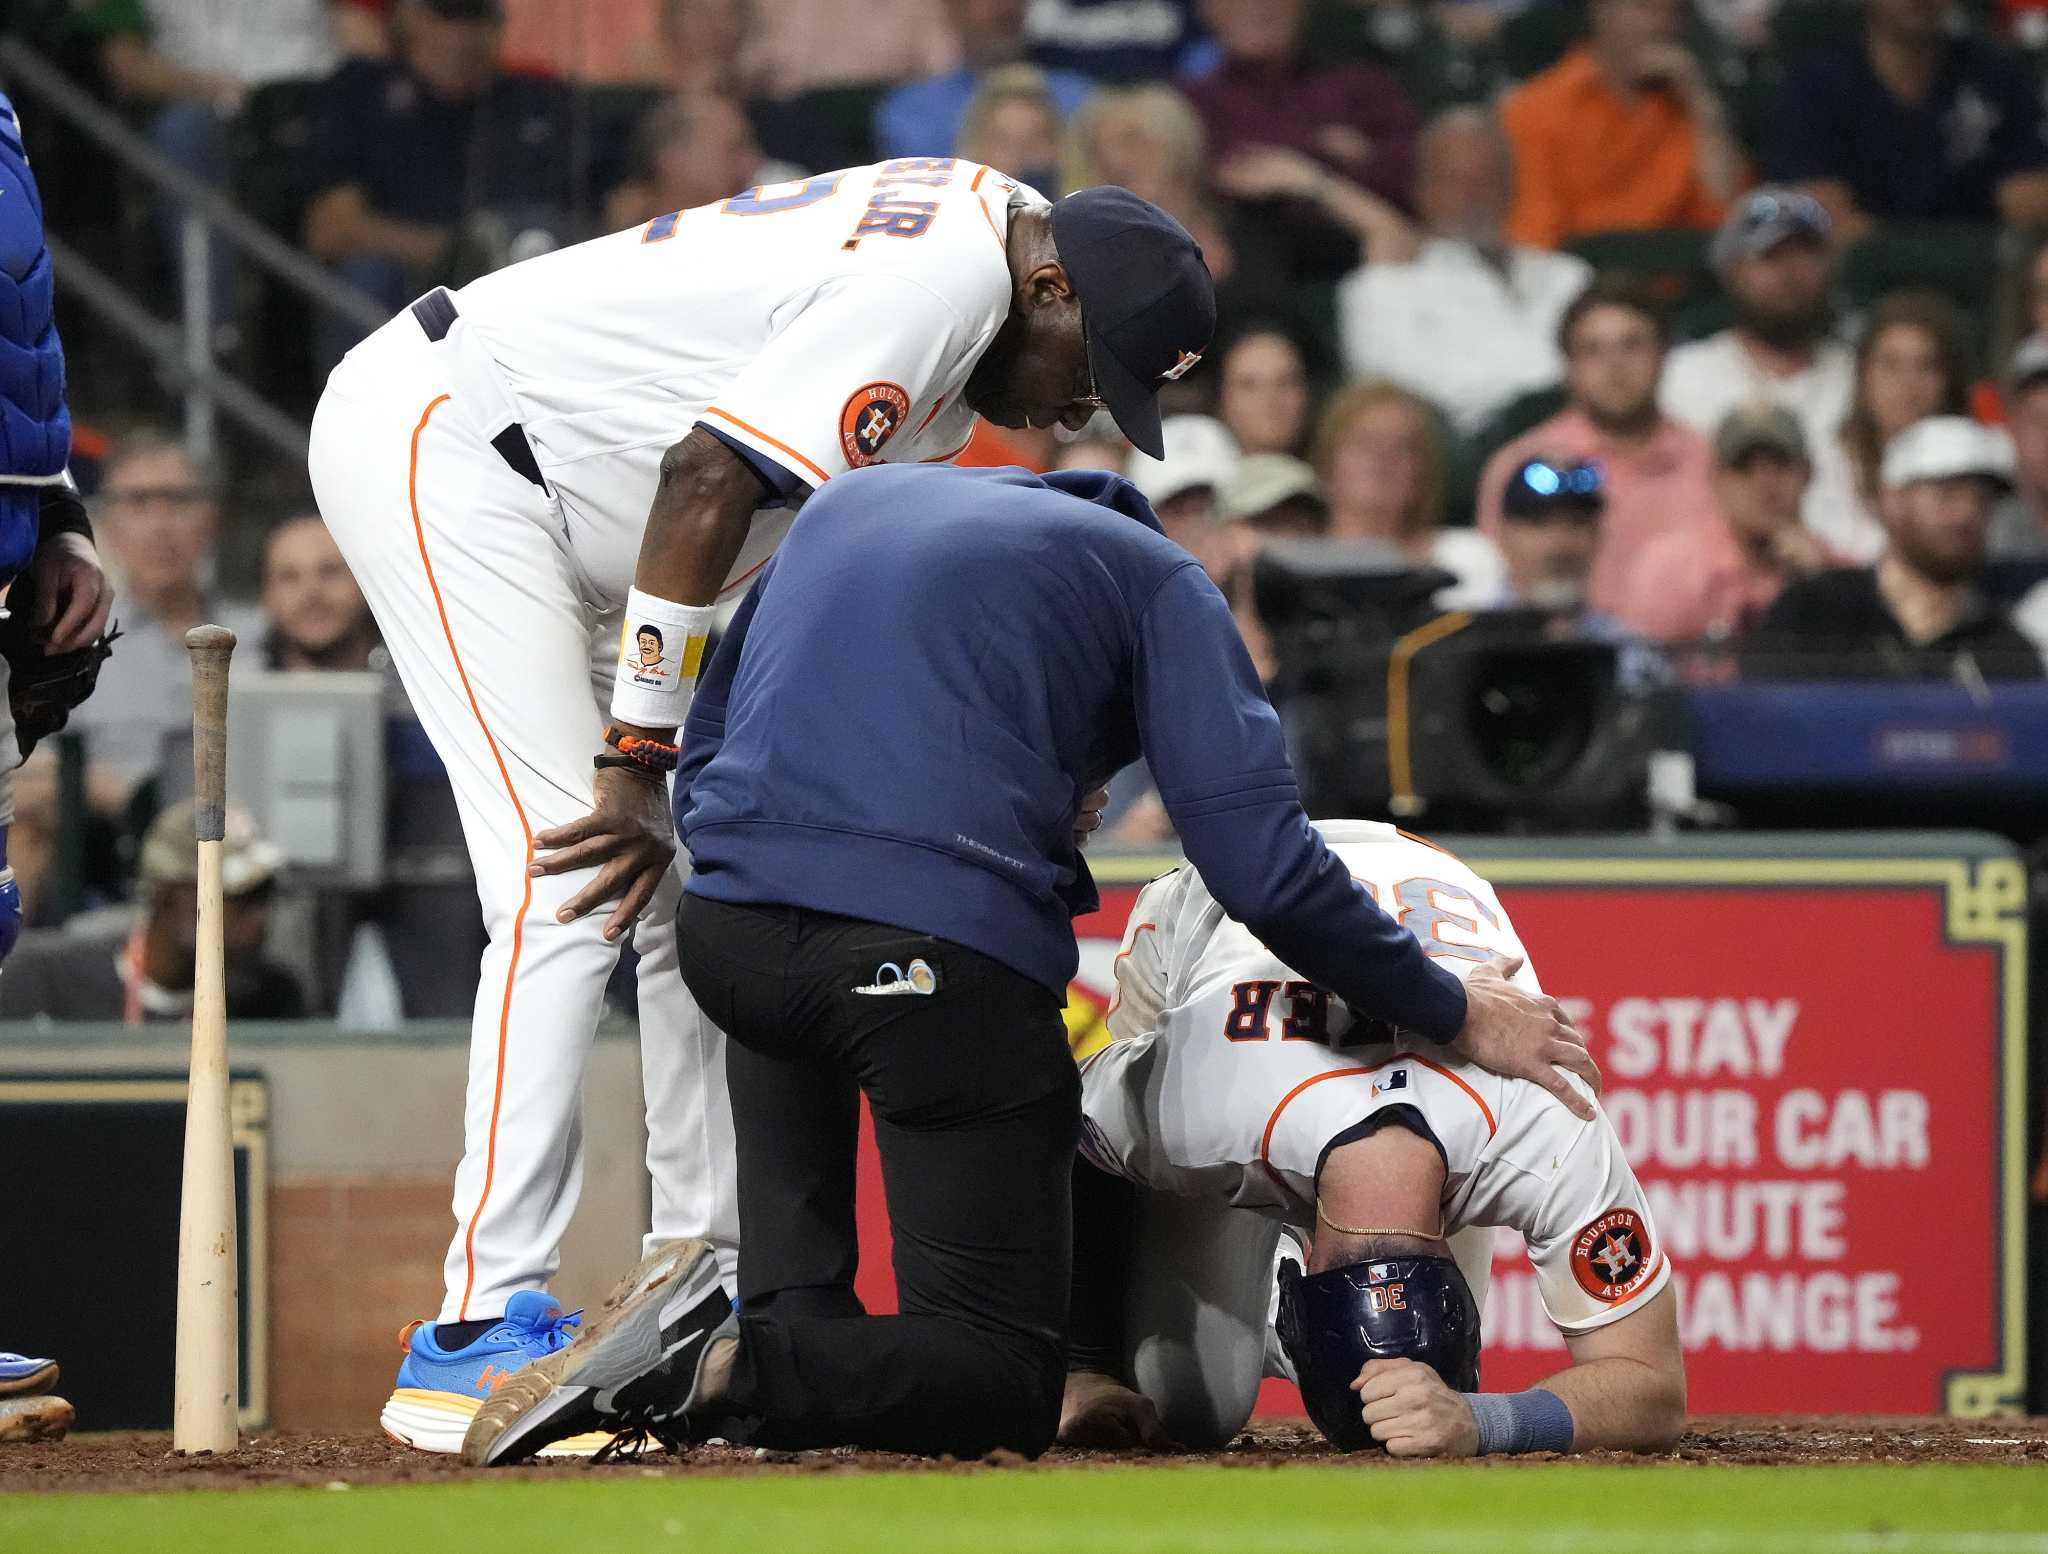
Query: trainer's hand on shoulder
[[1524, 1035], [1413, 1413], [1101, 1413], [629, 832]]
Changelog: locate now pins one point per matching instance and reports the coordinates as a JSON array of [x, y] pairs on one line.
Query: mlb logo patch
[[1397, 1080]]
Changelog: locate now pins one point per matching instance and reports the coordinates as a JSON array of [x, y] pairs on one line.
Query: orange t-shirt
[[1589, 160]]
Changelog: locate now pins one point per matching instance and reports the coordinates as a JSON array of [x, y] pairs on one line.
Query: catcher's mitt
[[43, 687]]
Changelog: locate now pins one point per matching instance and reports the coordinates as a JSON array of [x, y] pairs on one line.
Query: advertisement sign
[[1815, 1065]]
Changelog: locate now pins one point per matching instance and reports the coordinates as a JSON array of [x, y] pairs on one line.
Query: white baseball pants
[[508, 660]]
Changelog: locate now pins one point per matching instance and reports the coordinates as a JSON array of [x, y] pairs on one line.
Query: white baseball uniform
[[1225, 1079], [815, 326]]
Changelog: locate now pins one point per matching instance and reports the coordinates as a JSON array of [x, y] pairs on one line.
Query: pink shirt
[[1695, 585], [1653, 488]]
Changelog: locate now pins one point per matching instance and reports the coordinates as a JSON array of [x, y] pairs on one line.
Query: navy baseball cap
[[1146, 298]]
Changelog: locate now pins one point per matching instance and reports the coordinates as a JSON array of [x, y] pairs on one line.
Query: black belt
[[436, 314]]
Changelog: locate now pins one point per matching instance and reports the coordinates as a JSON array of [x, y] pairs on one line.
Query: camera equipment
[[1481, 721]]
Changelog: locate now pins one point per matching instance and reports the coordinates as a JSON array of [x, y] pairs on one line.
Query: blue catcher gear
[[35, 425], [10, 912], [1400, 1308]]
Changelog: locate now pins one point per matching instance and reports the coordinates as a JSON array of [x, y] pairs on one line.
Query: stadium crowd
[[1723, 322]]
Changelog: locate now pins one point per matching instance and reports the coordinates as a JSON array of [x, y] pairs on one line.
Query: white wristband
[[661, 650]]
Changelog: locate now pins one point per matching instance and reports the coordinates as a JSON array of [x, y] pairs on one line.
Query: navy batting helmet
[[1399, 1308]]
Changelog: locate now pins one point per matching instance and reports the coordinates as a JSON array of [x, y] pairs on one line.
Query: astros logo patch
[[870, 419], [1612, 1257]]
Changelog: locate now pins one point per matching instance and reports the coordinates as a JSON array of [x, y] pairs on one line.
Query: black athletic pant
[[976, 1106]]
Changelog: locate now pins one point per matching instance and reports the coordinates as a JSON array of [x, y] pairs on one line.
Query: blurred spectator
[[924, 118], [703, 43], [195, 64], [1912, 123], [1775, 263], [1186, 487], [1549, 532], [1013, 124], [318, 618], [363, 28], [1263, 396], [1656, 472], [142, 971], [1269, 496], [1381, 453], [688, 151], [437, 165], [1462, 317], [157, 515], [189, 68], [1622, 134], [1148, 140], [1715, 580], [2019, 529], [32, 839], [1911, 362], [1917, 614], [1090, 451], [617, 43], [1266, 96], [1120, 40], [797, 47]]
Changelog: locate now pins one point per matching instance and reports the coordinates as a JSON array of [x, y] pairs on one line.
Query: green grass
[[1565, 1508]]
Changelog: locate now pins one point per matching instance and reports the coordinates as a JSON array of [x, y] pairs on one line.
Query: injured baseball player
[[1231, 1100]]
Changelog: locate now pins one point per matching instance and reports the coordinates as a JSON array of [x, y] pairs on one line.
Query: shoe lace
[[556, 1333], [633, 1443]]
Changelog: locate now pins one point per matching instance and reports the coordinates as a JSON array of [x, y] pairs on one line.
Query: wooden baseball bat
[[207, 1382]]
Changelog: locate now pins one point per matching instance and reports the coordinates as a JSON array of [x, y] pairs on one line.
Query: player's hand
[[1413, 1413], [1090, 817], [72, 595], [630, 833], [1524, 1035], [1101, 1413]]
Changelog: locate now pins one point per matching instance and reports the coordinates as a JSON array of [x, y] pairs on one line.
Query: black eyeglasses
[[1093, 399]]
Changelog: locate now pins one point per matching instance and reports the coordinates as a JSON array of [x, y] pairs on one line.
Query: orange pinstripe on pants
[[526, 891]]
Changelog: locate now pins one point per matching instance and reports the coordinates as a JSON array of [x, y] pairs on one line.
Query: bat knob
[[210, 639]]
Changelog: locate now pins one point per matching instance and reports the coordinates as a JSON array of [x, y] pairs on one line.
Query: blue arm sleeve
[[1214, 745], [704, 724]]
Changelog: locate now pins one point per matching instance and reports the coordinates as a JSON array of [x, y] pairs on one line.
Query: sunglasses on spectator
[[1544, 479], [1768, 209], [1541, 489]]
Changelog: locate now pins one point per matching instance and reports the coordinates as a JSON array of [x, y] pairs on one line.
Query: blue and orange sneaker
[[439, 1390]]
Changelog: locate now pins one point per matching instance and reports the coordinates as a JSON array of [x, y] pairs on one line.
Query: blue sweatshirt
[[903, 717]]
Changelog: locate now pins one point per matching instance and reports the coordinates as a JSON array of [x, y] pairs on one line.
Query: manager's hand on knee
[[1524, 1035], [1102, 1413], [629, 835]]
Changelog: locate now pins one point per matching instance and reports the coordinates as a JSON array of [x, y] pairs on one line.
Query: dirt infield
[[94, 1463]]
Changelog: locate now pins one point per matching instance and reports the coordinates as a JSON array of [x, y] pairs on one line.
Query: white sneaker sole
[[437, 1421]]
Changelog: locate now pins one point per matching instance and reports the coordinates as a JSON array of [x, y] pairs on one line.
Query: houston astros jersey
[[1226, 1077], [821, 324]]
